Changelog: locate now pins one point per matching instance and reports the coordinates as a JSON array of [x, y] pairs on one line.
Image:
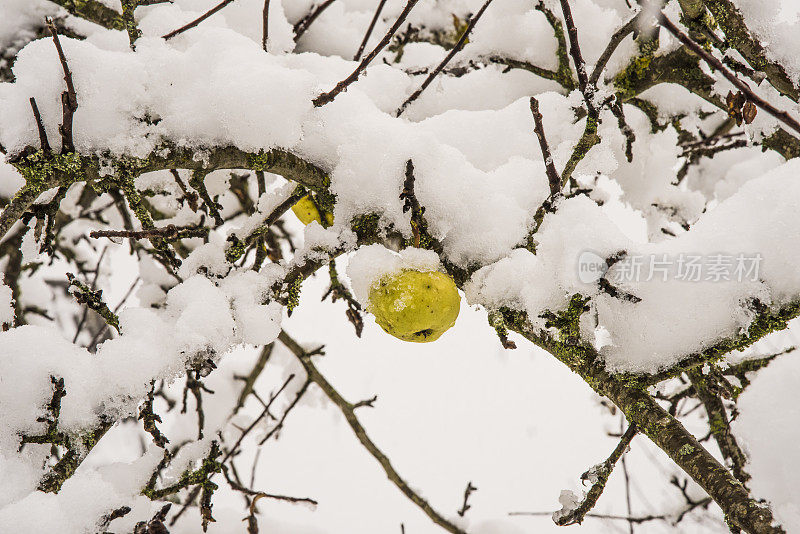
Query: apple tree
[[609, 184]]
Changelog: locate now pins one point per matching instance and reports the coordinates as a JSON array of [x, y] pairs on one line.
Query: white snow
[[6, 305], [478, 172], [773, 454]]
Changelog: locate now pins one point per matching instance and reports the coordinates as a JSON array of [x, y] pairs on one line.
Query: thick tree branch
[[43, 172], [782, 116], [682, 67], [765, 322], [641, 409], [719, 424], [739, 37], [93, 11]]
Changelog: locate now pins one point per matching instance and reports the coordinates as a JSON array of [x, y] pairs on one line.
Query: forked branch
[[327, 98], [348, 411]]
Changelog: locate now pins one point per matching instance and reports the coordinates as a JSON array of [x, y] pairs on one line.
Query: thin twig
[[287, 498], [346, 409], [260, 494], [369, 30], [530, 67], [94, 284], [782, 116], [304, 23], [470, 489], [279, 425], [627, 131], [601, 472], [276, 214], [165, 232], [458, 46], [69, 99], [190, 196], [624, 465], [196, 21], [254, 466], [257, 419], [673, 518], [187, 503], [67, 74], [235, 249], [368, 403], [337, 291], [538, 126], [91, 346], [326, 98], [615, 41], [250, 380], [577, 57], [265, 25], [128, 18], [588, 139], [43, 142]]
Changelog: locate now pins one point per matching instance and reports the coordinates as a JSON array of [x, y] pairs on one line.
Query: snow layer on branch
[[85, 498], [722, 176], [478, 215], [674, 317], [239, 16], [129, 103], [20, 18], [200, 321], [503, 32], [10, 180], [776, 23], [773, 453], [478, 174], [525, 281]]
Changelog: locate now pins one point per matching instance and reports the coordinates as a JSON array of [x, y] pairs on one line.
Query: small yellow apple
[[306, 210], [416, 306]]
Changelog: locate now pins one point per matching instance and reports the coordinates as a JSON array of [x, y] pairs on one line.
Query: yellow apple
[[306, 210], [416, 306]]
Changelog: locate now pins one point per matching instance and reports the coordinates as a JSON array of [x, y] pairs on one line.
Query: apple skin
[[307, 212], [417, 306]]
